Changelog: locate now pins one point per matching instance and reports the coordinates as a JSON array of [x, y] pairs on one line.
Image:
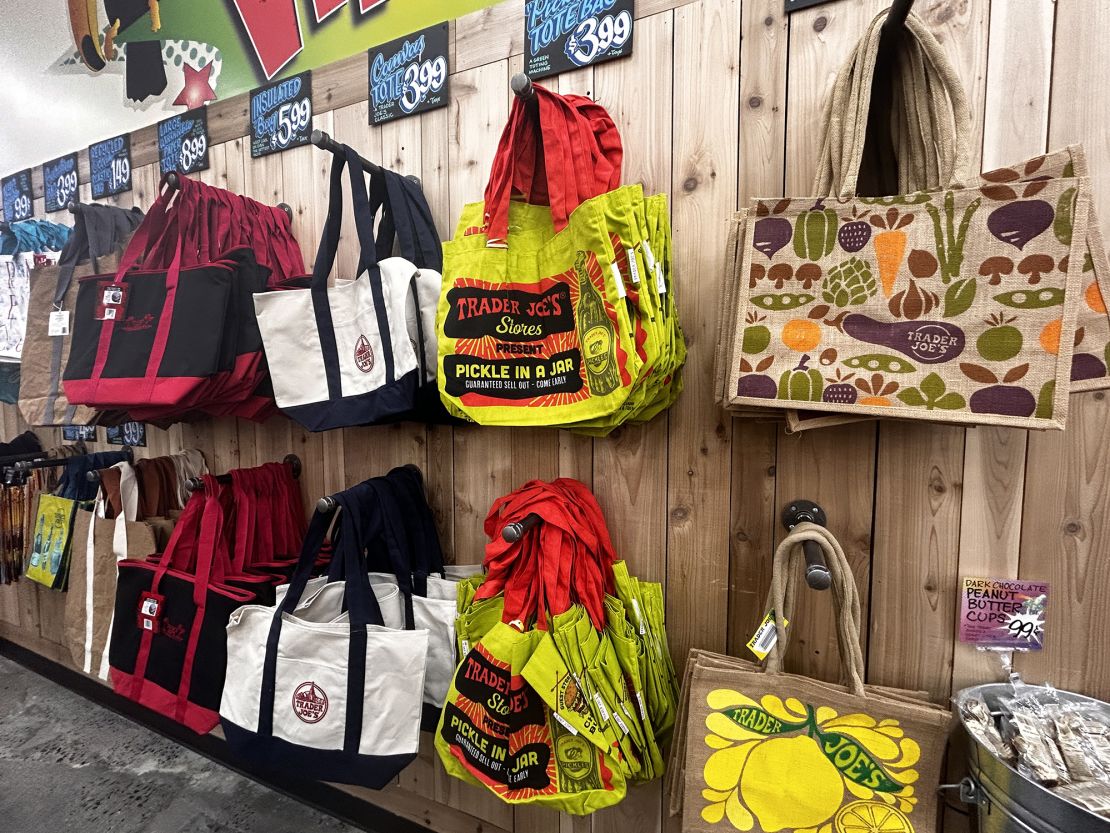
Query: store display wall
[[693, 498]]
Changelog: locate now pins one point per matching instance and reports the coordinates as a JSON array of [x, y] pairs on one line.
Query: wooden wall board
[[693, 499]]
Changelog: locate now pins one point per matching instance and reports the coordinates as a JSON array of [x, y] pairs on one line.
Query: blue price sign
[[110, 166], [183, 142], [18, 196], [559, 36], [130, 433], [281, 115], [409, 75], [72, 433], [59, 181]]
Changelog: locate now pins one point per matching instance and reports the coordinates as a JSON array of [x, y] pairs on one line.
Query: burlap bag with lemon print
[[768, 751]]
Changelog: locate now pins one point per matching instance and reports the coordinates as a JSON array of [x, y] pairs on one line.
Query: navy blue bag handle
[[325, 260]]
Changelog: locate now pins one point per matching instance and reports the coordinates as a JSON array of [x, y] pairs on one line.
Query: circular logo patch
[[310, 703], [364, 355]]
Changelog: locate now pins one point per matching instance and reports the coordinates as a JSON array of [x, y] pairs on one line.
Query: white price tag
[[465, 646], [621, 723], [565, 723], [640, 703], [618, 280], [649, 256], [639, 616], [59, 323], [660, 281], [601, 707], [633, 266]]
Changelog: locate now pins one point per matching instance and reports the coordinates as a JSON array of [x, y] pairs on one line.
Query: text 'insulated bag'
[[334, 695], [362, 350]]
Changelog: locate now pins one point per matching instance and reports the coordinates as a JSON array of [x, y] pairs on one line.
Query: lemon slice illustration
[[871, 817]]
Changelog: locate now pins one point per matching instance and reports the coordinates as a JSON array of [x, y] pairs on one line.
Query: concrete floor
[[69, 765]]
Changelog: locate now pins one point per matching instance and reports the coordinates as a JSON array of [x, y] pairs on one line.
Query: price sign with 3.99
[[281, 115], [562, 35], [18, 196], [409, 75], [110, 166], [59, 181], [183, 142]]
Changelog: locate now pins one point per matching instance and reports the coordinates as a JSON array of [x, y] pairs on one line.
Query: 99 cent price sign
[[183, 142], [110, 166], [59, 181], [18, 196], [281, 115], [409, 75], [563, 35]]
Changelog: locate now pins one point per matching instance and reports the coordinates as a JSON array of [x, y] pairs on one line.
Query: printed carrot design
[[890, 246]]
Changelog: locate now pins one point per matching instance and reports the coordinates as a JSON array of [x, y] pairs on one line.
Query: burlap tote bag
[[100, 233], [887, 306], [768, 751]]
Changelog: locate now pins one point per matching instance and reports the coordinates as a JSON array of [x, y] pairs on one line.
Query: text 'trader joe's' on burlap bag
[[887, 306], [767, 751]]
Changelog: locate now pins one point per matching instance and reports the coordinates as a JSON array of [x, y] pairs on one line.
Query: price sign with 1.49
[[59, 181], [183, 142], [560, 37], [18, 197], [409, 75], [110, 166], [281, 115]]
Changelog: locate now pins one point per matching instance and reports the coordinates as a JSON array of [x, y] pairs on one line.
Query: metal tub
[[1008, 801]]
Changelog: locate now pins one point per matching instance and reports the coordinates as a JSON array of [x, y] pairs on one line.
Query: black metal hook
[[801, 511], [515, 531], [522, 86]]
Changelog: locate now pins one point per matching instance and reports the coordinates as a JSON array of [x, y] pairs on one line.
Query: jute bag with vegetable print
[[880, 305], [769, 751]]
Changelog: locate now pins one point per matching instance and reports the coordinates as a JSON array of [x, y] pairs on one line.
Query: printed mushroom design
[[808, 273], [996, 267], [758, 273], [780, 273], [1035, 266]]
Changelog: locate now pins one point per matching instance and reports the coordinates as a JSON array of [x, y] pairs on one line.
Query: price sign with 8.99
[[183, 142], [110, 166], [559, 36], [18, 196], [281, 115], [409, 75], [59, 181]]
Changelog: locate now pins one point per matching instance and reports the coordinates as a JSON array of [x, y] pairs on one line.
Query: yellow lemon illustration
[[871, 817], [788, 784]]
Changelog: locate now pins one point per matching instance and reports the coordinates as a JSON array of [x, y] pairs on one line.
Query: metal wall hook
[[325, 142], [522, 86], [294, 462], [515, 531], [801, 511], [284, 206]]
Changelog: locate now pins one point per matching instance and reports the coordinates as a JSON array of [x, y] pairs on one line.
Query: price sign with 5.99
[[59, 181], [18, 196], [409, 75], [110, 166], [561, 36], [281, 115], [183, 142]]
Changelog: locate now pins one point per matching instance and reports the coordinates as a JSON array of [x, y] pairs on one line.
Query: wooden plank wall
[[718, 104]]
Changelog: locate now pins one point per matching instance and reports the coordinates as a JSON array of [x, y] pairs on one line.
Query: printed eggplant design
[[930, 342]]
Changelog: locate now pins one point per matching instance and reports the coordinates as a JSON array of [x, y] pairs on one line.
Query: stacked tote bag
[[322, 683], [957, 300], [363, 350], [558, 308], [100, 233], [760, 751]]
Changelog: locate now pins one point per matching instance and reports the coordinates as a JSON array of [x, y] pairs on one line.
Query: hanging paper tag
[[649, 256], [465, 647], [618, 280], [59, 323], [565, 723], [639, 616], [150, 609], [621, 723], [640, 703], [601, 707], [111, 301], [633, 266], [660, 281], [765, 636]]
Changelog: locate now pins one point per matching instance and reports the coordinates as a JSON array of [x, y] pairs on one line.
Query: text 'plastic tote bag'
[[356, 353], [338, 698]]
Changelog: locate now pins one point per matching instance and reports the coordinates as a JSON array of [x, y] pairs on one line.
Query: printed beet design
[[756, 384], [1017, 223], [1002, 341], [1002, 396], [841, 390], [771, 231], [815, 232], [855, 233], [931, 342], [771, 234], [1086, 366], [803, 383]]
